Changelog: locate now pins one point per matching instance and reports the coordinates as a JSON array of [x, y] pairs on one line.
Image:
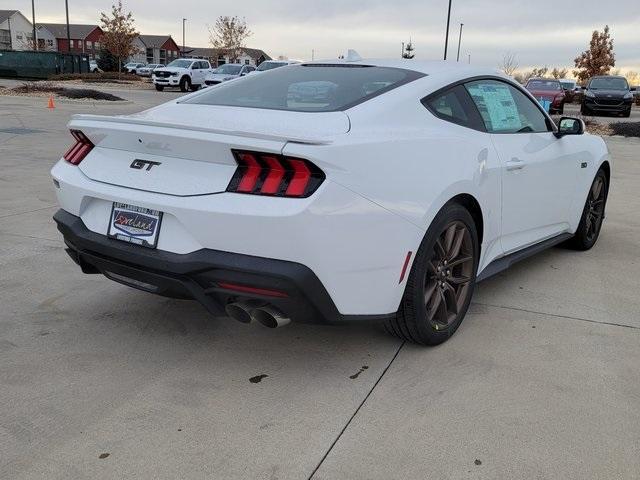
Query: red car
[[549, 93]]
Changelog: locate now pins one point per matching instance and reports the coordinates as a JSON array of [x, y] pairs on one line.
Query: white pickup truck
[[186, 73]]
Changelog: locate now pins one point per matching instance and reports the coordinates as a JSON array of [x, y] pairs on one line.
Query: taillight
[[78, 150], [274, 175]]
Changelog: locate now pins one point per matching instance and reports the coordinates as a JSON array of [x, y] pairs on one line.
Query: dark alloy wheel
[[449, 274], [185, 84], [442, 279], [593, 214]]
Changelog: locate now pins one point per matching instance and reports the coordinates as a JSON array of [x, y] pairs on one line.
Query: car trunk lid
[[187, 149]]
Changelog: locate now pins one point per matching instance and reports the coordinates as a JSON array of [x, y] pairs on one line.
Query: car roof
[[431, 68], [543, 79], [607, 76]]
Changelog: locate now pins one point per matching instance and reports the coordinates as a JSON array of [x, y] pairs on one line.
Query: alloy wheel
[[595, 208], [449, 275]]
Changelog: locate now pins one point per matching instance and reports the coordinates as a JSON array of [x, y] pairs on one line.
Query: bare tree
[[509, 64], [599, 59], [228, 36], [119, 33], [524, 77], [633, 78], [559, 73]]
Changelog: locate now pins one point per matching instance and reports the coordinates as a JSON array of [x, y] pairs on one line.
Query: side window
[[454, 105], [505, 109]]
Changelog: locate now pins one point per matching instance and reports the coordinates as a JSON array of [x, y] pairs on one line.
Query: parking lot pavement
[[541, 380], [573, 110]]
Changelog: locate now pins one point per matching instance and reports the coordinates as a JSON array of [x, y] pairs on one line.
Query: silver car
[[226, 72], [147, 70]]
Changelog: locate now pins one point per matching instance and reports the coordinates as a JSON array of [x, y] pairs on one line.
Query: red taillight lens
[[78, 150], [274, 175]]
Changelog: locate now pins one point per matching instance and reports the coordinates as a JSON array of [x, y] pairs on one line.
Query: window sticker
[[497, 106]]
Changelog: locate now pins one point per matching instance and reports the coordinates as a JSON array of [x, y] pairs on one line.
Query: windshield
[[229, 69], [264, 66], [543, 85], [308, 88], [568, 85], [180, 63], [609, 83]]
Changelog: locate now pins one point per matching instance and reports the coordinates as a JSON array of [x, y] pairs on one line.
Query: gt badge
[[140, 164]]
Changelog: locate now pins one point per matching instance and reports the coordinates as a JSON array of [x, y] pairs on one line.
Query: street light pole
[[66, 6], [183, 47], [446, 40], [459, 42], [33, 15]]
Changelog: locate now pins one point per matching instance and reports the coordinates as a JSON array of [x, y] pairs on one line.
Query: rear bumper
[[198, 275]]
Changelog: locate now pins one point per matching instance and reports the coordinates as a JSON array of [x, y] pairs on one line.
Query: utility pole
[[446, 39], [183, 43], [459, 42], [66, 6], [33, 18], [402, 52], [469, 59]]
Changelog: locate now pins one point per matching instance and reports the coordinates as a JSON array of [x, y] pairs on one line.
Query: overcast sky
[[540, 32]]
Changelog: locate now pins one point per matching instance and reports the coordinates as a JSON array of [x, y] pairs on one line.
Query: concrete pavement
[[100, 381]]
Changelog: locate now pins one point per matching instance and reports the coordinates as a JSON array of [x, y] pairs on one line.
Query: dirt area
[[46, 89]]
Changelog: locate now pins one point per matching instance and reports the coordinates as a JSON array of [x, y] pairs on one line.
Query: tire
[[195, 88], [594, 211], [561, 110], [627, 114], [432, 322], [159, 88], [584, 110], [185, 84]]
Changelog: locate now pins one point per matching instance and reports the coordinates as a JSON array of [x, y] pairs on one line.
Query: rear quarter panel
[[404, 159]]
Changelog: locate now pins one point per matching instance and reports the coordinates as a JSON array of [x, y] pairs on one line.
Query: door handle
[[515, 164]]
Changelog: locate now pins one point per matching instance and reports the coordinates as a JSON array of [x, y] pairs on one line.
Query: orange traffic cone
[[51, 102]]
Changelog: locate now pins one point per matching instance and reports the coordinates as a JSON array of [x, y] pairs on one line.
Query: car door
[[196, 74], [539, 170]]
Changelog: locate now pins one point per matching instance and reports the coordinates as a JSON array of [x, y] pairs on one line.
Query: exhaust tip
[[238, 312], [270, 317]]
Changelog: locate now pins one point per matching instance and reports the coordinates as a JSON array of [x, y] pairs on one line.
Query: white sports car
[[331, 192]]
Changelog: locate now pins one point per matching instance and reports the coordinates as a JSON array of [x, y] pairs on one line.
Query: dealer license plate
[[136, 225]]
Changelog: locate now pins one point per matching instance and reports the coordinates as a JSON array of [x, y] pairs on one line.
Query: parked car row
[[603, 94], [192, 74]]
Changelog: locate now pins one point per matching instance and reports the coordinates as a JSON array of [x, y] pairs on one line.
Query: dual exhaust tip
[[263, 313]]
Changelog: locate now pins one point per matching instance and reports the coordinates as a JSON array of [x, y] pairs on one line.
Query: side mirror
[[570, 126]]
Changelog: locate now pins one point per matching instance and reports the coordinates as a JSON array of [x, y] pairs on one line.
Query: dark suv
[[607, 94]]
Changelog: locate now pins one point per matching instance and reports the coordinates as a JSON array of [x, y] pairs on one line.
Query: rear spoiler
[[85, 120]]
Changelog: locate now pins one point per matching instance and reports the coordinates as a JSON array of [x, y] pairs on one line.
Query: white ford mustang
[[331, 192]]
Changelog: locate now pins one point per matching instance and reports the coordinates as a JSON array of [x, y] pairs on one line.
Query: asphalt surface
[[98, 380]]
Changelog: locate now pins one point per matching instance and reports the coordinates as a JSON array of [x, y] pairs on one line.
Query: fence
[[28, 64]]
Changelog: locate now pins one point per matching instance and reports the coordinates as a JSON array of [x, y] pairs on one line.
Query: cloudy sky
[[539, 32]]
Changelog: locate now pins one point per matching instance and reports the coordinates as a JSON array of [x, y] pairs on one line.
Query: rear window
[[307, 88], [543, 85]]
